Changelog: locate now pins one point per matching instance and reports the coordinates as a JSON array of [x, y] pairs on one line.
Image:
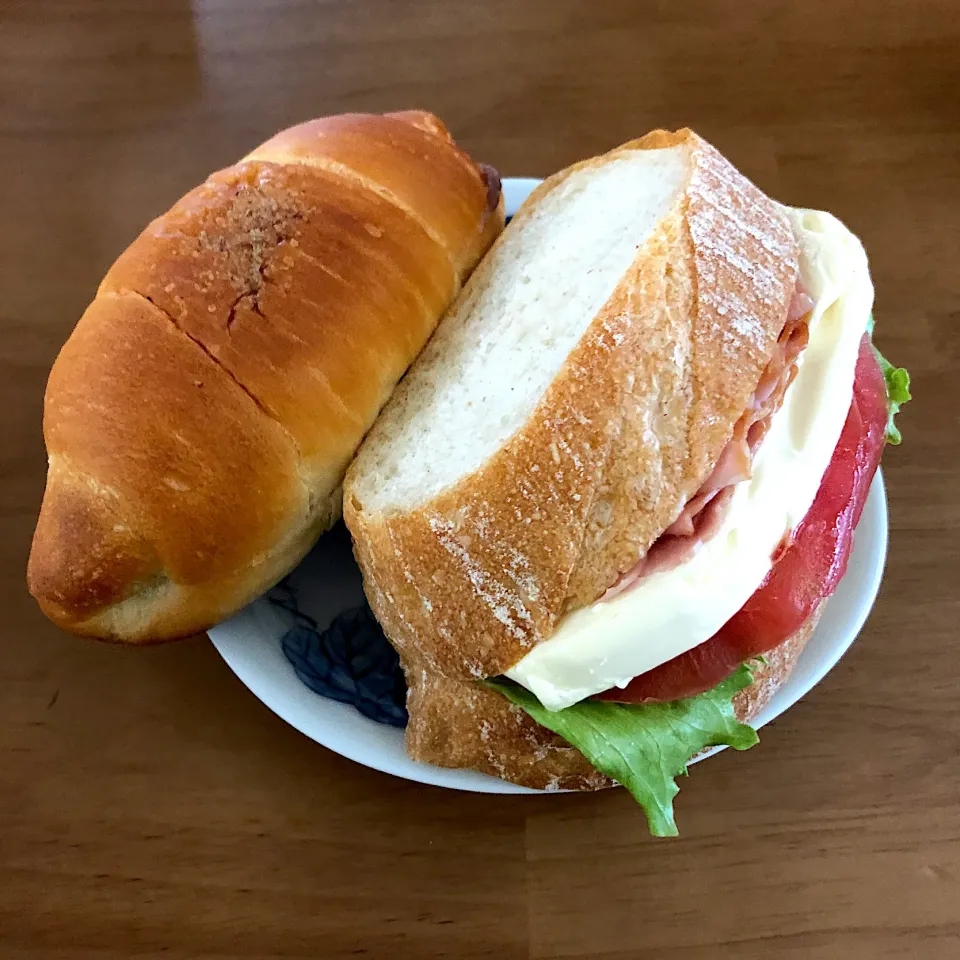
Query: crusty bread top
[[469, 578], [408, 158], [200, 417]]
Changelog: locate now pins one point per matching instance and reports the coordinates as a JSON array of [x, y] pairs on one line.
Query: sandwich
[[601, 514]]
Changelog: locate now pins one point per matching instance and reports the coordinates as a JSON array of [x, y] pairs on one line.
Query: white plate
[[328, 582]]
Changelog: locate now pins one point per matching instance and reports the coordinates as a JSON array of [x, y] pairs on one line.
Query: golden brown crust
[[200, 418], [132, 504], [457, 723], [410, 158], [467, 583]]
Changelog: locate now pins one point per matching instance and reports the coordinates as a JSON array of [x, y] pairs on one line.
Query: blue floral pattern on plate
[[350, 661]]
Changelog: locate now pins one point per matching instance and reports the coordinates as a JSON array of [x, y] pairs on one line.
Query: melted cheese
[[611, 642]]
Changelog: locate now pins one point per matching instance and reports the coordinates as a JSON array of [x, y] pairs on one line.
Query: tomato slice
[[808, 569]]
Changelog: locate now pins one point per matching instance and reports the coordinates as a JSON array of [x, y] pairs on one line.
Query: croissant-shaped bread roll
[[200, 417]]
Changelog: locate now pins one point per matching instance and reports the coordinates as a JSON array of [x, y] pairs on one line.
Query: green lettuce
[[898, 388], [645, 747]]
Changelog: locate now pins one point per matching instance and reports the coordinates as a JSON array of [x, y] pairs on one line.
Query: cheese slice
[[610, 642]]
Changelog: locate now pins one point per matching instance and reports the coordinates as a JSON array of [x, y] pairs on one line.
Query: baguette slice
[[199, 419], [574, 398]]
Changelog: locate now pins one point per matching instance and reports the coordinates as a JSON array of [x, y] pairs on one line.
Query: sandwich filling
[[806, 569], [704, 512], [726, 540]]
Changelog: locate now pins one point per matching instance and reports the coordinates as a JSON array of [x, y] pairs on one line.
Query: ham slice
[[704, 511]]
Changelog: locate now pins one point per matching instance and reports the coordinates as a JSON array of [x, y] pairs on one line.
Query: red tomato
[[808, 570]]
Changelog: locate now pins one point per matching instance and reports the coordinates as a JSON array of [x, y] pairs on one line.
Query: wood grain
[[150, 807]]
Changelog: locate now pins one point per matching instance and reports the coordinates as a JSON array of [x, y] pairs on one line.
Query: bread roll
[[200, 417]]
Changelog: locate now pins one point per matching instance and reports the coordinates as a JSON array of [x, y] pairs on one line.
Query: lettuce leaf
[[645, 747], [898, 393], [898, 389]]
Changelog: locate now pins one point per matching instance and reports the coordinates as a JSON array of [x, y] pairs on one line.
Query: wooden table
[[151, 807]]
